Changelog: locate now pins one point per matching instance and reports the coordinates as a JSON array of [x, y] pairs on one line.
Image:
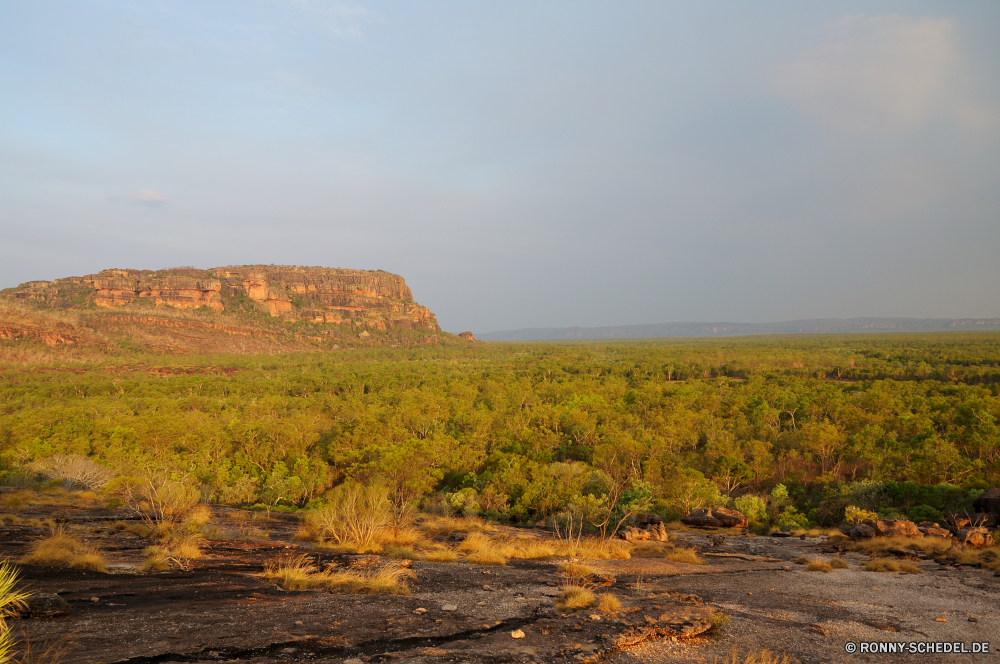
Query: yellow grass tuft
[[64, 550], [802, 560], [441, 556], [576, 570], [592, 548], [756, 657], [685, 556], [574, 598], [886, 565], [819, 566], [609, 603], [480, 550], [446, 525], [525, 548], [301, 574], [839, 563]]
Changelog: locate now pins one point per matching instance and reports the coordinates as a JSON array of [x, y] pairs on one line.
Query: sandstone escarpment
[[364, 298]]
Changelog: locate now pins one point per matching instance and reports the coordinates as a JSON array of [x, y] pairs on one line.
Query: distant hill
[[808, 326], [246, 308]]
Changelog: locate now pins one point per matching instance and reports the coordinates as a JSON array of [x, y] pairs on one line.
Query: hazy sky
[[522, 164]]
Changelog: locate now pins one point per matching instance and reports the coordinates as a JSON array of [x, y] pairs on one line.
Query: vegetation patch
[[61, 549]]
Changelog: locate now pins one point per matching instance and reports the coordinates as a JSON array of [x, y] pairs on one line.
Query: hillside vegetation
[[792, 430]]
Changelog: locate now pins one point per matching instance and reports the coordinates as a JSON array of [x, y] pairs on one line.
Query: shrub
[[925, 513], [75, 471], [719, 621], [855, 515], [754, 508], [819, 566], [64, 550], [609, 603], [575, 597], [791, 518], [354, 515], [839, 563], [802, 560]]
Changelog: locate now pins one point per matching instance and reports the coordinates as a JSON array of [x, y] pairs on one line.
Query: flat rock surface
[[223, 610]]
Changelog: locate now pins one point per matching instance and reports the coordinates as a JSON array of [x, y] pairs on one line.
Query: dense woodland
[[792, 429]]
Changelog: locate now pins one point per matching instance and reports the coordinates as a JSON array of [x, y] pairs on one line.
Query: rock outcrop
[[869, 528], [720, 517], [367, 298]]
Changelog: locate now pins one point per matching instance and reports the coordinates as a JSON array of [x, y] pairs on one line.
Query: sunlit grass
[[62, 549]]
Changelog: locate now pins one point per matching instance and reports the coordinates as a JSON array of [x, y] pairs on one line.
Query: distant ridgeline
[[809, 326], [267, 307]]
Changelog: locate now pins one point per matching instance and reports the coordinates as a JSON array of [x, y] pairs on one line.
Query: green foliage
[[754, 508], [524, 432], [791, 518], [855, 515], [925, 513]]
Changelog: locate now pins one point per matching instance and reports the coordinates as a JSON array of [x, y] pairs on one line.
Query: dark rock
[[648, 519], [718, 540], [862, 531], [988, 501], [45, 605], [699, 518]]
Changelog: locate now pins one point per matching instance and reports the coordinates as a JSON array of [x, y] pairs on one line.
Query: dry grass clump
[[441, 556], [609, 603], [802, 560], [886, 565], [64, 550], [301, 574], [879, 546], [592, 548], [525, 548], [839, 563], [666, 551], [576, 570], [135, 527], [574, 597], [446, 525], [176, 551], [480, 550], [815, 532], [819, 566]]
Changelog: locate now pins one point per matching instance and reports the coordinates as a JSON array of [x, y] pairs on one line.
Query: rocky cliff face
[[362, 298]]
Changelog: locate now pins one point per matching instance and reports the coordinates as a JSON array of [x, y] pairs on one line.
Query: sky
[[521, 164]]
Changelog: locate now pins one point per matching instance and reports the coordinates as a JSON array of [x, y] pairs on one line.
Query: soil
[[223, 610]]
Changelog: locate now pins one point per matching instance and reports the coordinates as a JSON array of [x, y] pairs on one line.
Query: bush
[[10, 600], [608, 603], [925, 513], [353, 515], [754, 508], [819, 566], [791, 518], [575, 597], [839, 563], [75, 471]]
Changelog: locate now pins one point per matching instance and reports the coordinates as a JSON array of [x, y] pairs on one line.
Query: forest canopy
[[792, 430]]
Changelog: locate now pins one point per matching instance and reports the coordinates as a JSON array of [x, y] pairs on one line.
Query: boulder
[[988, 502], [633, 535], [895, 528], [730, 518], [975, 537], [699, 518], [45, 605], [658, 532], [862, 531], [931, 529], [648, 519]]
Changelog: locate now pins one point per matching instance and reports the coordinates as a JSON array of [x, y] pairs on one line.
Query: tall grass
[[300, 573], [354, 515], [62, 549], [11, 599]]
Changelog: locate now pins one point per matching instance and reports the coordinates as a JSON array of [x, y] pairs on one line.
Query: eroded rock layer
[[370, 298]]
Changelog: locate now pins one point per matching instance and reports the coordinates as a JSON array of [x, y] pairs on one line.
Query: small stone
[[481, 604], [517, 634], [299, 623], [594, 616], [95, 599], [486, 587], [421, 611], [941, 620], [449, 607], [749, 593], [973, 619], [786, 568], [289, 651], [45, 605]]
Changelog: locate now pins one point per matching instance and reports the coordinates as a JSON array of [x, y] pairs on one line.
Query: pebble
[[449, 607], [517, 634], [299, 623], [421, 611], [973, 619], [95, 599], [940, 620]]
